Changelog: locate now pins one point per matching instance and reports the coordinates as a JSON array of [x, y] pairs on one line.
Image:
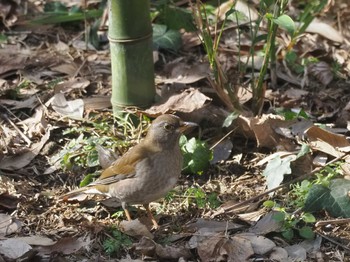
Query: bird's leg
[[149, 213], [126, 211]]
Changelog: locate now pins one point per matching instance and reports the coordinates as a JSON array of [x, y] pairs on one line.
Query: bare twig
[[346, 248], [333, 221]]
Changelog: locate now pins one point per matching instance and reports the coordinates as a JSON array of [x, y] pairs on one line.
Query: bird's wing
[[123, 168]]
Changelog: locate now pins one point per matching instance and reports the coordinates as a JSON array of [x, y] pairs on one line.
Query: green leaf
[[317, 195], [306, 232], [87, 180], [308, 218], [279, 216], [305, 149], [3, 38], [285, 22], [288, 234], [269, 204], [229, 119], [334, 199], [166, 39], [92, 159], [176, 18], [196, 156]]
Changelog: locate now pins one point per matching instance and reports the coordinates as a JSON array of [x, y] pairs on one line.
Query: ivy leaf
[[196, 155], [166, 38], [334, 199], [276, 169]]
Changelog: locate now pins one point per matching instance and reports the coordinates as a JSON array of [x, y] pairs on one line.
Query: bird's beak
[[185, 126]]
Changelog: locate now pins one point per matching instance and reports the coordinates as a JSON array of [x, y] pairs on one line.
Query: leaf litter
[[63, 76]]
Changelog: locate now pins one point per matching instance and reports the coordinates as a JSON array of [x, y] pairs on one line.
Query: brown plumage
[[148, 171]]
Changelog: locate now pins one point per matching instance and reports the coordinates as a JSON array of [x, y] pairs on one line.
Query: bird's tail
[[79, 194]]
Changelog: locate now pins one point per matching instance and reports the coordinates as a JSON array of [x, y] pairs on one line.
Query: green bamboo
[[130, 35]]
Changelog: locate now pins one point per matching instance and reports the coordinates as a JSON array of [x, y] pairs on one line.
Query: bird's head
[[166, 130]]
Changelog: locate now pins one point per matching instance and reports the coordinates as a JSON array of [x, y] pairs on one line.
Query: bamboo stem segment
[[130, 36]]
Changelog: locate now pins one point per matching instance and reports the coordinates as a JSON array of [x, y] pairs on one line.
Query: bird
[[148, 171]]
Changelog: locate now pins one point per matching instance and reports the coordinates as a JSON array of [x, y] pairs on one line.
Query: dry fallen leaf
[[187, 101], [31, 102], [325, 30], [16, 162], [67, 86], [327, 142], [322, 72], [180, 72], [73, 109], [66, 246], [149, 248], [266, 225], [135, 228], [37, 240], [8, 225], [264, 130], [14, 248], [261, 245]]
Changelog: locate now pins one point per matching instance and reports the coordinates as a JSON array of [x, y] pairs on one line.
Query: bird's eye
[[168, 127]]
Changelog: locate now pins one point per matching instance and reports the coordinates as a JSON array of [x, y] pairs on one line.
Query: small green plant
[[289, 114], [82, 151], [299, 221], [116, 242], [196, 155], [292, 222], [197, 196]]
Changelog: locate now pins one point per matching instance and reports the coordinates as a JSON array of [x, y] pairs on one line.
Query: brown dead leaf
[[14, 248], [37, 240], [180, 72], [97, 102], [187, 101], [261, 245], [266, 225], [30, 102], [67, 86], [73, 109], [135, 228], [249, 12], [296, 93], [322, 72], [8, 225], [66, 246], [11, 62], [218, 248], [204, 225], [327, 142], [68, 68], [36, 124], [149, 248], [190, 39], [16, 162], [263, 129], [325, 30]]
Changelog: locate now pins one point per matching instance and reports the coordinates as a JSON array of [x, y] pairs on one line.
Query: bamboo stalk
[[130, 36]]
